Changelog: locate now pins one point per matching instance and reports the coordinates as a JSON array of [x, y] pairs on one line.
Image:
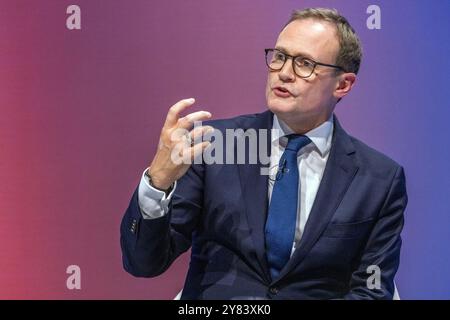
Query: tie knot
[[296, 142]]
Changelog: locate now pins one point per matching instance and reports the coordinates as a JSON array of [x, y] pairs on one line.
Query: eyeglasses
[[303, 67]]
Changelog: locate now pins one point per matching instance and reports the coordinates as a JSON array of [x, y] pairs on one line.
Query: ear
[[344, 84]]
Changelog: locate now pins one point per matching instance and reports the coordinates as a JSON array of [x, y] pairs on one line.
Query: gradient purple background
[[81, 113]]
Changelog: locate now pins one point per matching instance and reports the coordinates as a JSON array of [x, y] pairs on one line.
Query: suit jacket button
[[133, 226], [273, 290]]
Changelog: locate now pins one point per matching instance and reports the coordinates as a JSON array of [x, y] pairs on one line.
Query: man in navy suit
[[323, 223]]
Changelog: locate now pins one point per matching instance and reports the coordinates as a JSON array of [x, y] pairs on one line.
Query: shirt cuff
[[153, 203]]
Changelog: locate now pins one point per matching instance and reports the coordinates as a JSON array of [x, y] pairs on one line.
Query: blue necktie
[[281, 220]]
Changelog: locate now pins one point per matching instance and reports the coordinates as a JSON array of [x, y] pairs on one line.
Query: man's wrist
[[157, 186]]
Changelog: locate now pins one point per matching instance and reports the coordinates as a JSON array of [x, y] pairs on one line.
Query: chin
[[280, 107]]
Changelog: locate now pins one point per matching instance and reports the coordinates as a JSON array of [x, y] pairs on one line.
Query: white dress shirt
[[311, 159]]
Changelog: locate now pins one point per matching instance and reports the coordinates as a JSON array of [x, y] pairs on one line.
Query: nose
[[286, 74]]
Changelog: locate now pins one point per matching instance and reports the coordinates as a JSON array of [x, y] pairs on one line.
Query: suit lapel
[[339, 172], [254, 192]]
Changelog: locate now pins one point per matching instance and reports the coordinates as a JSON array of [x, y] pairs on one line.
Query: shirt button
[[273, 290]]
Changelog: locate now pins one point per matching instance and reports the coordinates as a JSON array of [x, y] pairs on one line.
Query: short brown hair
[[350, 50]]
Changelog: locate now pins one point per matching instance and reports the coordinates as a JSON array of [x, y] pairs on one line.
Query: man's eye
[[278, 56], [304, 63]]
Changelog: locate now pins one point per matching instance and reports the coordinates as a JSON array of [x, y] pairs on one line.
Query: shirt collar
[[320, 136]]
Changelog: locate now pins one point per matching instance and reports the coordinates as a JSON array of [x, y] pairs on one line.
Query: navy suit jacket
[[220, 211]]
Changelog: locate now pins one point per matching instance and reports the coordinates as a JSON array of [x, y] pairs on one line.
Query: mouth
[[281, 92]]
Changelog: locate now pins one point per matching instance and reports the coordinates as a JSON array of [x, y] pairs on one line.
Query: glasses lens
[[275, 59], [303, 67]]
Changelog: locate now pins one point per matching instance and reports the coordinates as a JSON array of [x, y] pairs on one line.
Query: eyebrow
[[302, 54]]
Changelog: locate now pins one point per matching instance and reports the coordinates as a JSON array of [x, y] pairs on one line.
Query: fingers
[[178, 144], [176, 109], [192, 138], [198, 144], [183, 135], [198, 149], [186, 155], [188, 121], [191, 144], [197, 133]]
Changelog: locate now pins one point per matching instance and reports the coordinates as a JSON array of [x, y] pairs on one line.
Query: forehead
[[310, 37]]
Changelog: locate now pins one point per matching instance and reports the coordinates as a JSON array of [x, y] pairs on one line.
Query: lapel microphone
[[281, 169]]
